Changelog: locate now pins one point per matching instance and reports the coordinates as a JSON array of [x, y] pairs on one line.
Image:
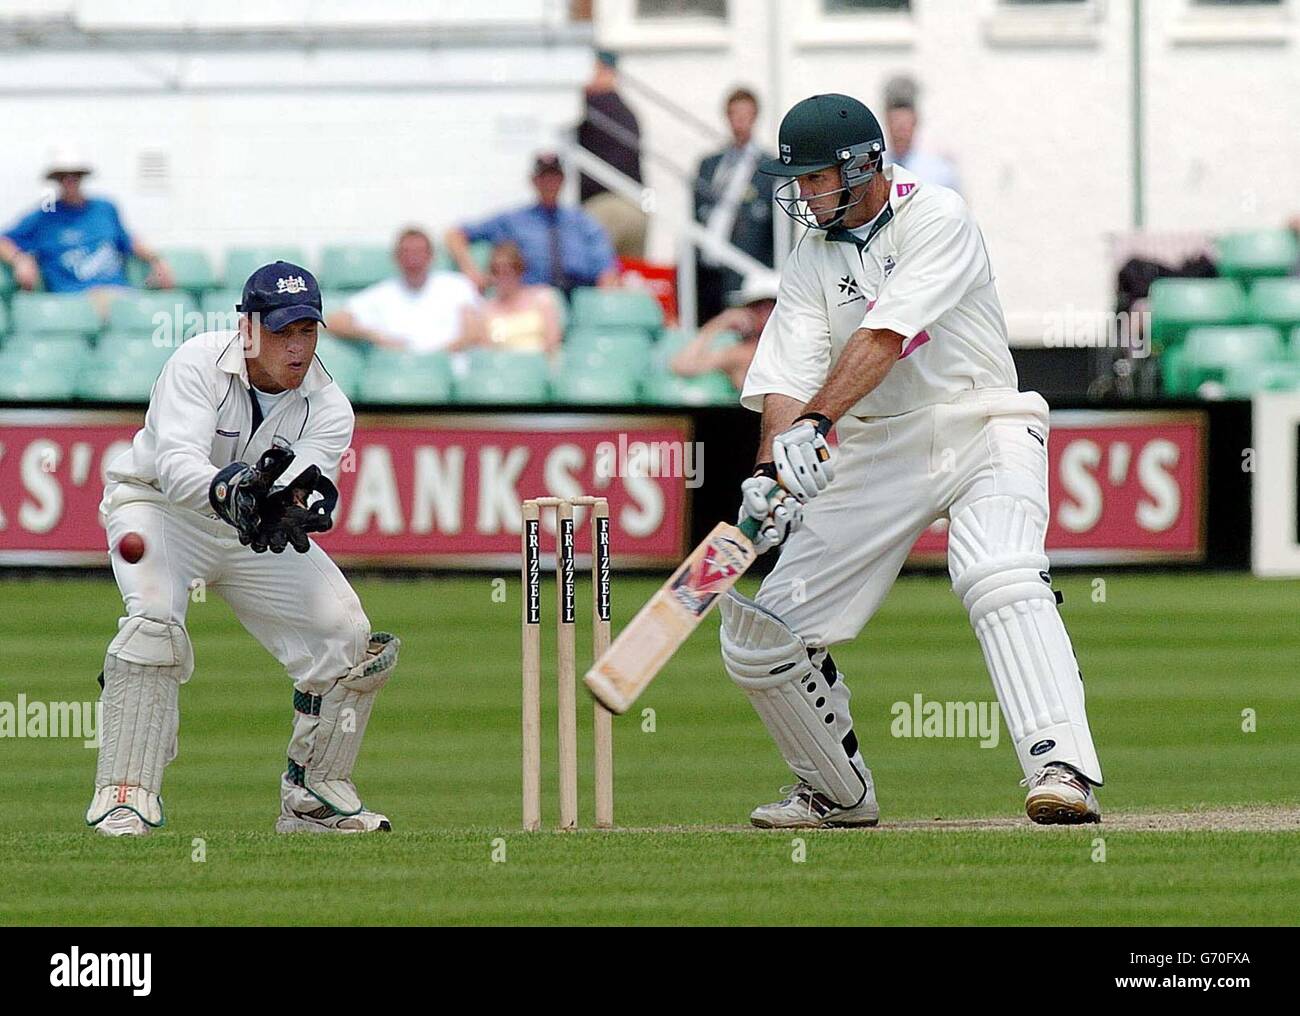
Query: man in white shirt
[[888, 327], [241, 445], [420, 310]]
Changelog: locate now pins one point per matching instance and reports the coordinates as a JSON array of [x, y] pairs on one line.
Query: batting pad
[[803, 713], [999, 570], [328, 729], [144, 667]]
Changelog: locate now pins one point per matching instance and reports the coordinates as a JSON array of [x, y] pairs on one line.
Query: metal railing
[[691, 236]]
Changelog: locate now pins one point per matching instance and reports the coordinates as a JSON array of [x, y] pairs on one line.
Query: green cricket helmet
[[818, 133]]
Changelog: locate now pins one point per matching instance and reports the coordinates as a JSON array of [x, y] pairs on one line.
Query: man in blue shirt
[[562, 247], [77, 245]]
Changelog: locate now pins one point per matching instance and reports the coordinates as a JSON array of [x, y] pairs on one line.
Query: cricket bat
[[645, 646]]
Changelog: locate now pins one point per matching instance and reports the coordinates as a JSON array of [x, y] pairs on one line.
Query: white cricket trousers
[[894, 477], [298, 606]]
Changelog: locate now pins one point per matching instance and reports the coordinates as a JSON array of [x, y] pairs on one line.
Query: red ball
[[131, 547]]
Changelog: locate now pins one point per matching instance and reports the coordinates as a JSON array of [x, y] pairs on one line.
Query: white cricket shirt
[[924, 273], [200, 418]]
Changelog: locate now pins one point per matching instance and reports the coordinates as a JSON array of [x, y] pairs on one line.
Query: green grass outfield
[[1170, 662]]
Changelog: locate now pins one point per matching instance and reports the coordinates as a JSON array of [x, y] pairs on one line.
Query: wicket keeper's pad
[[999, 569], [145, 665], [772, 666], [327, 729]]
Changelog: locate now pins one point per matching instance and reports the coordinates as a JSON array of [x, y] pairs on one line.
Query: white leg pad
[[328, 729], [806, 714], [999, 571], [144, 667]]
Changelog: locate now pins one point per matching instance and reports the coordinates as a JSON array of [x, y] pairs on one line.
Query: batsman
[[888, 327], [236, 464]]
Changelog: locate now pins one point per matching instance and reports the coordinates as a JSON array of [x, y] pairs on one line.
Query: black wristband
[[767, 469], [823, 423]]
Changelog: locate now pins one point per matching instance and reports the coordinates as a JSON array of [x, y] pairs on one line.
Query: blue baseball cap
[[282, 293]]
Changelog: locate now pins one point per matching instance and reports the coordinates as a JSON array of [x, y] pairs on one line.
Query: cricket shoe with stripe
[[122, 822], [300, 812], [806, 808], [1059, 795]]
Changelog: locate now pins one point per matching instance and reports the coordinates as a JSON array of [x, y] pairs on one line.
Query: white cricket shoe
[[122, 822], [806, 808], [302, 813], [1059, 795]]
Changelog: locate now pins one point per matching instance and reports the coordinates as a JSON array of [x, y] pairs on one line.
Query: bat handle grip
[[750, 526]]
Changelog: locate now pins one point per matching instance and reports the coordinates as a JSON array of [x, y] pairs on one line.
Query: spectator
[[517, 316], [734, 201], [609, 130], [901, 94], [754, 304], [78, 245], [562, 247], [420, 309]]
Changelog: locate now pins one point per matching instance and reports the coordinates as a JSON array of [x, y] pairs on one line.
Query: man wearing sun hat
[[75, 243]]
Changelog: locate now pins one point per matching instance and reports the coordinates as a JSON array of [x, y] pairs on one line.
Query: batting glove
[[803, 458], [779, 519]]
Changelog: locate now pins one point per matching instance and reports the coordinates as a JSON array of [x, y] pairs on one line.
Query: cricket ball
[[131, 547]]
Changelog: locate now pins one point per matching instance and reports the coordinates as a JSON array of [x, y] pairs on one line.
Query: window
[[864, 6], [1213, 22], [1041, 23], [716, 9]]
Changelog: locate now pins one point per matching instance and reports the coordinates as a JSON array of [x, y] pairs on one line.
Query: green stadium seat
[[191, 269], [50, 347], [23, 379], [1171, 370], [241, 262], [4, 319], [116, 385], [504, 376], [594, 387], [7, 283], [345, 361], [1243, 380], [54, 312], [218, 308], [402, 378], [148, 310], [706, 390], [487, 358], [355, 266], [628, 347], [1209, 353], [1246, 256], [1179, 305], [615, 308], [1275, 302]]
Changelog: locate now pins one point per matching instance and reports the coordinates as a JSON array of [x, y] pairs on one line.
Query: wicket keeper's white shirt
[[200, 418], [924, 272]]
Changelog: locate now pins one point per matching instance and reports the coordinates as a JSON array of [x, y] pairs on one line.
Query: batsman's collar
[[902, 185], [233, 361]]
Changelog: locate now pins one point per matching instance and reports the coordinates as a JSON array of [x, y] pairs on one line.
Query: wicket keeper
[[241, 446], [889, 328]]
